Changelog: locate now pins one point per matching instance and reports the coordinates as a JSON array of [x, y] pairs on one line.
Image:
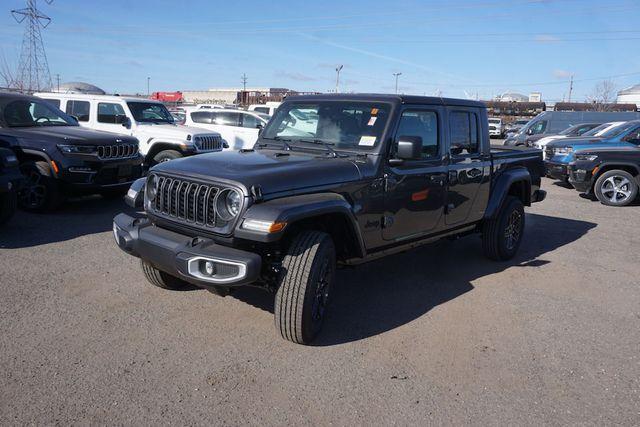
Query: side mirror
[[126, 122], [75, 118], [530, 131], [409, 148]]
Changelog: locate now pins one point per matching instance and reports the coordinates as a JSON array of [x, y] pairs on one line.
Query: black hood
[[273, 171], [72, 135]]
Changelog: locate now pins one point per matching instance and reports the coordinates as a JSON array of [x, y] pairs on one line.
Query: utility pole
[[396, 75], [570, 87], [338, 69], [33, 69], [148, 80], [244, 82]]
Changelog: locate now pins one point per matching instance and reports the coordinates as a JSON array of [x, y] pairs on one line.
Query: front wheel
[[308, 275], [165, 156], [616, 188], [41, 191], [502, 234]]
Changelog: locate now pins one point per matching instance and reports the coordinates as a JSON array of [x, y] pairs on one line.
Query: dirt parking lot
[[436, 335]]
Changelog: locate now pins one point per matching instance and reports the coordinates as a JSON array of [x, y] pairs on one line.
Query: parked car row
[[603, 163]]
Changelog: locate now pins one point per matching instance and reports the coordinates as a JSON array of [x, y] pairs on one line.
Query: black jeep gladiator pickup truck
[[332, 180], [58, 157]]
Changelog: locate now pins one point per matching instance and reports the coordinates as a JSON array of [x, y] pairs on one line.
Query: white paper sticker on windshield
[[372, 121], [368, 141]]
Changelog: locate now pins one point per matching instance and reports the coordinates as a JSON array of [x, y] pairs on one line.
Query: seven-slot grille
[[186, 201], [208, 142], [120, 151]]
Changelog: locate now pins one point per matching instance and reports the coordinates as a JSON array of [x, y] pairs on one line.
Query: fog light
[[209, 268]]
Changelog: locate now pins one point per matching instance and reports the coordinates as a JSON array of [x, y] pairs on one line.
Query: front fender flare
[[295, 208], [500, 189]]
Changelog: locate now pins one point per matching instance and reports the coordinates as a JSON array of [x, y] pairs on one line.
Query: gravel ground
[[437, 335]]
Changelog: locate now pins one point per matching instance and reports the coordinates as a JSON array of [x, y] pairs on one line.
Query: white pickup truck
[[160, 138]]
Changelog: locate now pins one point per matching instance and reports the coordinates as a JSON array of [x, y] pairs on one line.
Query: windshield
[[26, 113], [150, 112], [618, 130], [596, 130], [570, 129], [345, 125]]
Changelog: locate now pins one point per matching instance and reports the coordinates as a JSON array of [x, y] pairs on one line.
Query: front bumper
[[581, 178], [557, 170], [185, 257], [90, 175]]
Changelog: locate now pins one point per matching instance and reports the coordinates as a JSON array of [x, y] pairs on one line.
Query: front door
[[468, 165], [415, 190]]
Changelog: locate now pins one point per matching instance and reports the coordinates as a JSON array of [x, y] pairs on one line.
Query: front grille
[[185, 201], [119, 151], [208, 142]]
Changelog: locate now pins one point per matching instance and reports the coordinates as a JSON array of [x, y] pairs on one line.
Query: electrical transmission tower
[[33, 68]]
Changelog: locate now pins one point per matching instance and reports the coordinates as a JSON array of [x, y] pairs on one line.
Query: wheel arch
[[512, 182], [632, 168], [327, 212]]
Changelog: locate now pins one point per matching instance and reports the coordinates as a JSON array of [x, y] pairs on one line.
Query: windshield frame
[[146, 102], [69, 121], [307, 142]]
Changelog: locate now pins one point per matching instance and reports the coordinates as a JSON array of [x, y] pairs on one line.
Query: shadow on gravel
[[77, 217], [382, 295]]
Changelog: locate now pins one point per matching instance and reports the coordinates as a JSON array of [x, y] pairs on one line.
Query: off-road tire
[[615, 175], [163, 280], [165, 156], [301, 299], [41, 191], [8, 205], [495, 243]]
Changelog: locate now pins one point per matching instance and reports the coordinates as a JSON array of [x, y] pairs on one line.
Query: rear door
[[469, 163], [415, 190]]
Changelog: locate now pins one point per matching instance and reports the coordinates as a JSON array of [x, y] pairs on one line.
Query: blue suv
[[560, 153]]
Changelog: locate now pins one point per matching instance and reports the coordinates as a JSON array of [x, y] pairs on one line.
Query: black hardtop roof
[[6, 97], [390, 98]]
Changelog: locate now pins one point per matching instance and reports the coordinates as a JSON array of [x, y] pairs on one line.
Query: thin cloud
[[546, 38], [562, 74]]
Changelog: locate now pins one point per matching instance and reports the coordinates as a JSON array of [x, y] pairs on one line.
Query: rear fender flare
[[500, 189]]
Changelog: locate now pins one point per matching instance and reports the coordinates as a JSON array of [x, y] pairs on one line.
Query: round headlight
[[228, 204], [152, 187]]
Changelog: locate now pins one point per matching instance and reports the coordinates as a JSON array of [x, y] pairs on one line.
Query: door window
[[226, 118], [424, 124], [201, 117], [634, 136], [538, 127], [262, 110], [463, 126], [251, 122], [80, 109], [110, 113]]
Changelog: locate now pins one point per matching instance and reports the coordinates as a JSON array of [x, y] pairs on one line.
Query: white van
[[239, 129], [160, 138]]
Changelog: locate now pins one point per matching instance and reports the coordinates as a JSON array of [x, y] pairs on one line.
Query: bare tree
[[8, 77], [603, 95]]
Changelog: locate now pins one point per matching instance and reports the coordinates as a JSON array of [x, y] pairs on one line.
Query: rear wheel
[[8, 205], [165, 156], [41, 191], [163, 280], [502, 235], [616, 188], [305, 286]]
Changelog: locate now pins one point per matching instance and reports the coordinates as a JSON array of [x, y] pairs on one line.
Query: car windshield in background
[[344, 125], [570, 129], [150, 112], [618, 130], [28, 113], [595, 130]]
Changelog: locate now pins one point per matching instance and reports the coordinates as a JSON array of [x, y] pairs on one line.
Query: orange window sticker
[[374, 111]]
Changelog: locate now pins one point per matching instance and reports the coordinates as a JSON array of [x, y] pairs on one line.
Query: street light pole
[[338, 68], [396, 75], [148, 80]]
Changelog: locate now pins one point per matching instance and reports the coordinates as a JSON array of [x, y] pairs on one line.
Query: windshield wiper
[[326, 144], [284, 141]]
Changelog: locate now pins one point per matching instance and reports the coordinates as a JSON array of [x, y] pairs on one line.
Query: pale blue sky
[[455, 48]]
